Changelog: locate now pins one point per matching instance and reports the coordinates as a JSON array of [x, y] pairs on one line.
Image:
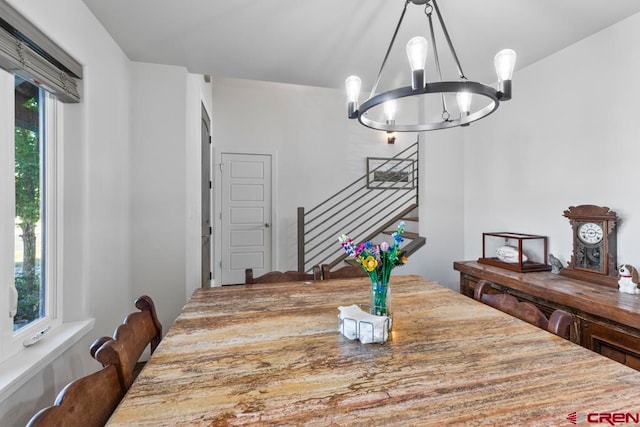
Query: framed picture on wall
[[387, 173]]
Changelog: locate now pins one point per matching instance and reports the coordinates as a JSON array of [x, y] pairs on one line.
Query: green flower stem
[[379, 298]]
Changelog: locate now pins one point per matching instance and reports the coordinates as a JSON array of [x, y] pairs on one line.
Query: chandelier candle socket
[[378, 261], [418, 49]]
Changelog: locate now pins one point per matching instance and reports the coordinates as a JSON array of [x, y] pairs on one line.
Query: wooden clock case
[[607, 272]]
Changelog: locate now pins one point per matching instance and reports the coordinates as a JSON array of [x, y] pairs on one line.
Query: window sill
[[17, 370]]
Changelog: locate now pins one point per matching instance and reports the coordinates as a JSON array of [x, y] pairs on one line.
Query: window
[[29, 150], [28, 209]]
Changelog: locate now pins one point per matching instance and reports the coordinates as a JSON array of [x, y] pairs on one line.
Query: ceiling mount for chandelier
[[467, 110]]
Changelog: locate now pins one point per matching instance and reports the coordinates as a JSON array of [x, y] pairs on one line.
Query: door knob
[[266, 224]]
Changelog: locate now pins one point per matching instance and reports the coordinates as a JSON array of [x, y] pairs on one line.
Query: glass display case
[[515, 251]]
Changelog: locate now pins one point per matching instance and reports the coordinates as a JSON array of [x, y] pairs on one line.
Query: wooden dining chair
[[131, 338], [85, 402], [279, 276], [558, 323], [346, 272]]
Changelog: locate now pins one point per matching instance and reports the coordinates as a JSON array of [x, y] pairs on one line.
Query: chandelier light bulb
[[417, 54], [353, 84], [390, 108], [505, 62], [464, 102]]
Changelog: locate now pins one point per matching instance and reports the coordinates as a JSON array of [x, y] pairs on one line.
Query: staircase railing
[[358, 209]]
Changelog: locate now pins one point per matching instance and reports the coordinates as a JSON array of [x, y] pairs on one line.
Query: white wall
[[165, 190], [441, 207], [569, 136], [158, 190], [318, 151], [96, 200]]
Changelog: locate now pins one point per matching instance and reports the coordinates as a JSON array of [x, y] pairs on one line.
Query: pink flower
[[384, 246]]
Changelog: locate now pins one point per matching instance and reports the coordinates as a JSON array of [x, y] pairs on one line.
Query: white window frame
[[18, 364], [10, 341]]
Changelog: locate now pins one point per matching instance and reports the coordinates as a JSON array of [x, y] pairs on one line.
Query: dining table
[[274, 355]]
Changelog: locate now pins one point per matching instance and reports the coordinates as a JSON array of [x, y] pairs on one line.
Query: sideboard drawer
[[618, 345]]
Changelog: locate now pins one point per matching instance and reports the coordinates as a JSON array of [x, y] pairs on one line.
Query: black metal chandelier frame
[[420, 87]]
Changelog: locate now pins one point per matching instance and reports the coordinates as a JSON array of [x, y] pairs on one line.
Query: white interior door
[[246, 216]]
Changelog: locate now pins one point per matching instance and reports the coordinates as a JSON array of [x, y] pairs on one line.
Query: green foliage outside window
[[27, 193]]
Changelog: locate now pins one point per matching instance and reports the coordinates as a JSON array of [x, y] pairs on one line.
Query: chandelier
[[379, 110]]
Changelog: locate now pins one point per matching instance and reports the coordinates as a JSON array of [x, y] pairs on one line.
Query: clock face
[[590, 233]]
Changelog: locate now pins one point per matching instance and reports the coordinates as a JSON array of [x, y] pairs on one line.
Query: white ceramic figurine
[[628, 279], [508, 253]]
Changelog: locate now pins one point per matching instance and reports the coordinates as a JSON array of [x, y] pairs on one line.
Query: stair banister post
[[301, 240]]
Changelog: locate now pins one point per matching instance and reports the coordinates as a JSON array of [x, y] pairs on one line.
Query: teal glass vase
[[380, 298]]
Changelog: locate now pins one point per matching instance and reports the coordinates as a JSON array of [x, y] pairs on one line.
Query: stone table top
[[272, 355]]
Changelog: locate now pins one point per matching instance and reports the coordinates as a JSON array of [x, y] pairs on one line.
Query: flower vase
[[380, 298]]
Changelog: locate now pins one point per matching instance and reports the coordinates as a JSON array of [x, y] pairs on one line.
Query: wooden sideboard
[[606, 321]]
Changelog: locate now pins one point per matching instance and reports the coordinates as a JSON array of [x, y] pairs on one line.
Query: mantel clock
[[594, 245]]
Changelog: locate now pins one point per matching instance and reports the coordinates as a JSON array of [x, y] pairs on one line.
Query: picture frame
[[390, 173]]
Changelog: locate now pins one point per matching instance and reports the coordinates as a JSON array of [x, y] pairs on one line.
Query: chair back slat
[[279, 276], [559, 323], [131, 338], [346, 272], [85, 402]]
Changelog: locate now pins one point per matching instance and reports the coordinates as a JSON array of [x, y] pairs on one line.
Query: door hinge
[[210, 276], [220, 216], [209, 139], [220, 264], [210, 231], [209, 184]]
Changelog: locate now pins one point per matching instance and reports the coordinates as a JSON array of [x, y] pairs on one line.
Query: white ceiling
[[320, 43]]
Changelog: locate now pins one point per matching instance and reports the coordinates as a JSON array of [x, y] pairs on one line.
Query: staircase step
[[352, 262], [406, 234], [410, 218], [414, 245]]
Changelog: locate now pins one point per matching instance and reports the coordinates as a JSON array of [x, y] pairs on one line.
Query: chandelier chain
[[386, 56], [428, 10], [446, 35]]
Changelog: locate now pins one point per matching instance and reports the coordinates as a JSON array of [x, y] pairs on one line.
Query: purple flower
[[347, 244], [384, 246]]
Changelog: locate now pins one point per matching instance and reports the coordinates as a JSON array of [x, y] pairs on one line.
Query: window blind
[[29, 53]]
